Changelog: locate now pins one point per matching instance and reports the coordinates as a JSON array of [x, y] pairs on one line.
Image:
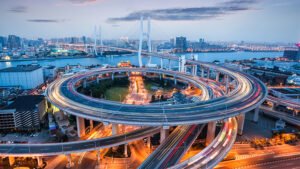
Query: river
[[113, 60]]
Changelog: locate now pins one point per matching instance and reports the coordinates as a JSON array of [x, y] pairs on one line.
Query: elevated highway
[[173, 148], [216, 151], [248, 95], [75, 146]]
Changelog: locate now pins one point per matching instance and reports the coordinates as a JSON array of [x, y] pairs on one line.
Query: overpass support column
[[97, 80], [202, 71], [227, 83], [241, 121], [70, 163], [40, 161], [161, 63], [274, 105], [126, 150], [256, 114], [84, 83], [11, 160], [164, 133], [211, 132], [80, 126], [91, 124], [98, 159], [217, 76], [115, 129], [149, 142], [112, 76], [208, 73], [169, 64], [175, 81], [194, 70]]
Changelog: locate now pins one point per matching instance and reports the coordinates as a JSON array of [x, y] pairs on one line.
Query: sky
[[213, 20]]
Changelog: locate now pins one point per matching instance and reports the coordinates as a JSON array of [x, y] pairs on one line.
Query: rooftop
[[25, 103], [21, 68]]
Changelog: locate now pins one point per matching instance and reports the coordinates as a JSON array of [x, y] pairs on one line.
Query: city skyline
[[226, 20]]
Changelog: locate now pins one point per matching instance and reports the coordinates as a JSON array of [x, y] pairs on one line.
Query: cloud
[[18, 9], [82, 1], [47, 20], [196, 13]]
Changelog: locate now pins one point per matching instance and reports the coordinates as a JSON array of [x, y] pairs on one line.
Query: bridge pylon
[[148, 37]]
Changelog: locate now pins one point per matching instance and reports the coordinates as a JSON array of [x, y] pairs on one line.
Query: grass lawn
[[114, 93]]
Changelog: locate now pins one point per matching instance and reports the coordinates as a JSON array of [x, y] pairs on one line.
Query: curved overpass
[[214, 152], [249, 93], [75, 146]]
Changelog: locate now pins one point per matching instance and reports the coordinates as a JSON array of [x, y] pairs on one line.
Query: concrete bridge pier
[[80, 126], [164, 133], [40, 161], [84, 83], [70, 163], [97, 80], [98, 155], [91, 124], [126, 150], [149, 142], [115, 129], [208, 73], [211, 132], [194, 70], [202, 71], [11, 160], [217, 76], [161, 63], [175, 81], [241, 121], [256, 114], [227, 84], [112, 76], [169, 64]]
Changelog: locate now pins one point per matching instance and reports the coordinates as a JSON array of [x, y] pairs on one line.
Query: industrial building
[[25, 113], [23, 76]]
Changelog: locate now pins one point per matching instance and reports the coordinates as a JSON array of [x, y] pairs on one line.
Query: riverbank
[[46, 58]]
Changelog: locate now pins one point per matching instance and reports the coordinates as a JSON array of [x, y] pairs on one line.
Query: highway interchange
[[247, 95]]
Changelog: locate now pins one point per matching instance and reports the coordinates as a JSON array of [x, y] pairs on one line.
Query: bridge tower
[[95, 41], [101, 40], [142, 35]]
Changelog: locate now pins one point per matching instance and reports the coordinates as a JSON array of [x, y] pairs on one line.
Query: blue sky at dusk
[[214, 20]]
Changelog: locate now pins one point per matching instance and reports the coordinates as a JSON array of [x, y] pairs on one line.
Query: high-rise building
[[172, 41], [25, 113], [84, 40], [13, 42], [181, 44], [201, 40], [3, 41], [74, 40]]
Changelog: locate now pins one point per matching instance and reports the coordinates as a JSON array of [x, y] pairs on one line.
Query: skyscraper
[[13, 42], [3, 41], [181, 44]]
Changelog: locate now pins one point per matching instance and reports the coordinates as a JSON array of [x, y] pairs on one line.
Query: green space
[[116, 93], [108, 89]]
